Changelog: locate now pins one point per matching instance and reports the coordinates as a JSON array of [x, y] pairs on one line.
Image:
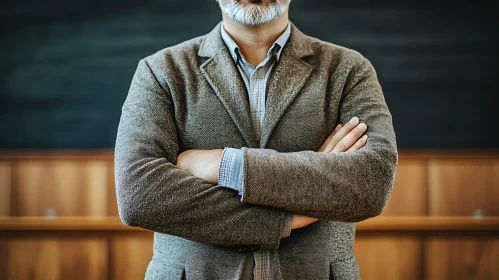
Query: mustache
[[258, 2]]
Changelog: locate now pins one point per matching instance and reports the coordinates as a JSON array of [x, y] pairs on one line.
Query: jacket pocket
[[161, 271], [346, 269]]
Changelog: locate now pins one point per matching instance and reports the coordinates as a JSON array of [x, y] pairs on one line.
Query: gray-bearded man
[[245, 150]]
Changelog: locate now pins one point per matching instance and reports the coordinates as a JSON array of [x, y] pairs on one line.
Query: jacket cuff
[[288, 222], [230, 172]]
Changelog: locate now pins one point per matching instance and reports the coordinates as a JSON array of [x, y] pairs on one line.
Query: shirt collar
[[234, 49]]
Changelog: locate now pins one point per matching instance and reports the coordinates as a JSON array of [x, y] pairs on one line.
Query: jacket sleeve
[[154, 194], [348, 186]]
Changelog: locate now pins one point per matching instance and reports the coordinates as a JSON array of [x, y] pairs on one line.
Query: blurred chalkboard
[[66, 66]]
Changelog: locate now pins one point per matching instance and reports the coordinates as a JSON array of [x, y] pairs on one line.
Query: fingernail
[[354, 120], [362, 125]]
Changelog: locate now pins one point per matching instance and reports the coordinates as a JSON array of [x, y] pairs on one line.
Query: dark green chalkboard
[[66, 65]]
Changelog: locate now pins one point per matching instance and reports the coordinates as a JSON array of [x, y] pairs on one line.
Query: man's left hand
[[201, 163]]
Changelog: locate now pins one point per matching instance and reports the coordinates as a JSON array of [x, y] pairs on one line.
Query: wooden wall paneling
[[382, 257], [3, 258], [56, 258], [495, 180], [460, 187], [410, 194], [70, 187], [130, 257], [112, 204], [5, 188], [96, 201], [463, 258]]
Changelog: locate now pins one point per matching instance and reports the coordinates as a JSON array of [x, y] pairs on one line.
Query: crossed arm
[[154, 194], [205, 164]]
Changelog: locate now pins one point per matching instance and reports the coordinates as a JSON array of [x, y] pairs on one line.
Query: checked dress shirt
[[260, 264]]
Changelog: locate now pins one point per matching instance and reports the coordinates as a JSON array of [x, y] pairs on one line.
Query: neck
[[254, 41]]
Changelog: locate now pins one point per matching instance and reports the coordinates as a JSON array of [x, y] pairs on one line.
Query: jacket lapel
[[289, 77], [224, 77]]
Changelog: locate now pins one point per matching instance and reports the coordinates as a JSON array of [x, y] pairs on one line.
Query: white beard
[[253, 14]]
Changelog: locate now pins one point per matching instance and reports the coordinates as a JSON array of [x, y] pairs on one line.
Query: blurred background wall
[[65, 70], [66, 66]]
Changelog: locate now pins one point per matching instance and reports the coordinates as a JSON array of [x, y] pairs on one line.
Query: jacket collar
[[213, 42], [234, 48], [289, 77]]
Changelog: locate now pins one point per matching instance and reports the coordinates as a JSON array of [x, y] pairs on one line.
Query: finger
[[326, 146], [359, 144], [350, 138], [341, 133], [338, 127], [298, 221]]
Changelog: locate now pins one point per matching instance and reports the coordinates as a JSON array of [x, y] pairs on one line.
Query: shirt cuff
[[288, 222], [230, 174]]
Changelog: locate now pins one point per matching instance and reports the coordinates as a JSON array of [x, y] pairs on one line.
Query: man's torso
[[211, 112]]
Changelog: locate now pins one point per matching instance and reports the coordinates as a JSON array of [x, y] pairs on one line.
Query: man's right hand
[[343, 138]]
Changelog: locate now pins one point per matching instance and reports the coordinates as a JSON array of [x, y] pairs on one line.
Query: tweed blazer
[[191, 96]]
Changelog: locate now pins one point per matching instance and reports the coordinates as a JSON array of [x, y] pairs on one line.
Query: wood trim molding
[[434, 223], [104, 154]]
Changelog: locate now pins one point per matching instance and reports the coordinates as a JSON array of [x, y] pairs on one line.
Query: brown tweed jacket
[[191, 96]]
